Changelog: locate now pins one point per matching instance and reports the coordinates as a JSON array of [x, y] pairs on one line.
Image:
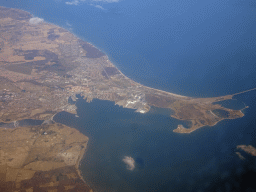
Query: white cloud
[[35, 20], [107, 1], [129, 161], [75, 2], [100, 7]]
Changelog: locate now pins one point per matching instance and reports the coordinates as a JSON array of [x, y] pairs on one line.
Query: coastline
[[107, 58], [186, 108], [182, 129], [78, 164], [105, 55], [186, 145]]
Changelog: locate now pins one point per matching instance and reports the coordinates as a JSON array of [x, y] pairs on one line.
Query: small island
[[249, 149]]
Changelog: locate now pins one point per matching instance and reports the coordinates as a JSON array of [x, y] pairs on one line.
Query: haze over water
[[194, 48], [181, 46]]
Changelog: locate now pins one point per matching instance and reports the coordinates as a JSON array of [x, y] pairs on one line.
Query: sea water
[[164, 160], [194, 48]]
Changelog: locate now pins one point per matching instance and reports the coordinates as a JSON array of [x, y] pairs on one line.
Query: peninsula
[[42, 66]]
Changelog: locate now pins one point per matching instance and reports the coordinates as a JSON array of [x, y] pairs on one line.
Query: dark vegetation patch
[[189, 112], [188, 124], [61, 30], [24, 68], [159, 101], [32, 33], [70, 101], [123, 84], [7, 125], [104, 74], [56, 66], [51, 132], [67, 76], [110, 71], [51, 35], [91, 51], [221, 113], [1, 46], [31, 54], [16, 35], [7, 26], [32, 82], [58, 175], [48, 132], [29, 122]]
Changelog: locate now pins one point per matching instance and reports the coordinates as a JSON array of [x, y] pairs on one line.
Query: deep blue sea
[[191, 47]]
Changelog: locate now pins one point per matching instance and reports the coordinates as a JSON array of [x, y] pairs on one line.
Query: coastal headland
[[43, 66]]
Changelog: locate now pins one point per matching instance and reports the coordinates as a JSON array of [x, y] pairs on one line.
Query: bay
[[194, 48], [164, 160]]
